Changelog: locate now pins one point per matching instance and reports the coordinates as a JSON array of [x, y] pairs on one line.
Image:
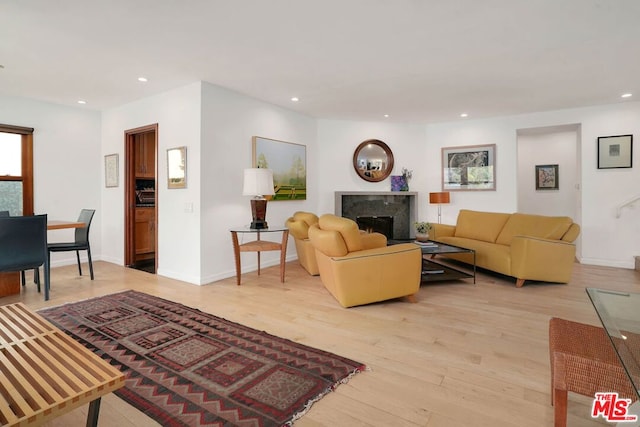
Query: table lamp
[[258, 183], [439, 199]]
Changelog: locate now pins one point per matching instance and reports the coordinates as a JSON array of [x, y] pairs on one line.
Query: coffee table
[[436, 270]]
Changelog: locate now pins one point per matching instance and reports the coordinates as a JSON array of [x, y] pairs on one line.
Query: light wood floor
[[464, 355]]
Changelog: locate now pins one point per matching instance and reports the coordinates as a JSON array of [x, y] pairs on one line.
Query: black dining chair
[[36, 276], [81, 241], [23, 245]]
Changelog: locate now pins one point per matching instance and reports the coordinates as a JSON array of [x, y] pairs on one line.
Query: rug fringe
[[309, 404]]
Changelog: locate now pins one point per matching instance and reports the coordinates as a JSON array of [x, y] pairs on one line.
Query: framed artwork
[[177, 167], [615, 151], [288, 161], [111, 170], [547, 177], [468, 168]]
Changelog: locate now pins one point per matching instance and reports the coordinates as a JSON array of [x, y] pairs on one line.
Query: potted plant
[[422, 230]]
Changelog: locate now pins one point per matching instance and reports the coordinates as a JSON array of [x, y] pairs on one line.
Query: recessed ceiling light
[[295, 99], [463, 115], [82, 101], [142, 79], [626, 95], [386, 116]]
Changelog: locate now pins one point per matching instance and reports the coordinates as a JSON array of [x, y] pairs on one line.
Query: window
[[16, 170]]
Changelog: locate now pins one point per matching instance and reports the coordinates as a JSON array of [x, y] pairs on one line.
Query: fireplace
[[401, 205], [377, 224]]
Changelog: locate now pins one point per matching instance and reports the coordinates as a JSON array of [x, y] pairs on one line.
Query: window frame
[[27, 165]]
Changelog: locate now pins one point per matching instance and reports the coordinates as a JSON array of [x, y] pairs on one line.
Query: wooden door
[[140, 234]]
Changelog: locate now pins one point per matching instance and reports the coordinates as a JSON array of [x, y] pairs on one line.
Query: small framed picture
[[111, 170], [177, 167], [615, 151], [547, 177]]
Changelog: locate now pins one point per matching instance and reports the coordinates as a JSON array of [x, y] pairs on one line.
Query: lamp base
[[258, 225], [258, 212]]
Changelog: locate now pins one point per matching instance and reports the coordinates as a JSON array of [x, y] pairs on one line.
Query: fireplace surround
[[402, 205]]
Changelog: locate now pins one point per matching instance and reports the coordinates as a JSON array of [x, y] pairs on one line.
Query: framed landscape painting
[[470, 167], [547, 177], [288, 161]]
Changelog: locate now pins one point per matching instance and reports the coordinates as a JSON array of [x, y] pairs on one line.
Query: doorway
[[141, 198], [558, 149]]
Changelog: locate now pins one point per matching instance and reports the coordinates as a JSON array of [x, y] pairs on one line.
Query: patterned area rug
[[185, 367]]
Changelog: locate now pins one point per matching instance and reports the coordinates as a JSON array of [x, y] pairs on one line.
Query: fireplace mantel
[[400, 204]]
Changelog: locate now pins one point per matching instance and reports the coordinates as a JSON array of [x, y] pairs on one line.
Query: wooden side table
[[259, 246]]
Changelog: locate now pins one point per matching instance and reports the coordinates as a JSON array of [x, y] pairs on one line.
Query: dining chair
[[81, 241], [583, 361], [23, 245], [36, 277]]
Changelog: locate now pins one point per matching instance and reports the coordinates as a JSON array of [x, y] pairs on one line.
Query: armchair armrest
[[547, 260], [373, 240], [442, 230]]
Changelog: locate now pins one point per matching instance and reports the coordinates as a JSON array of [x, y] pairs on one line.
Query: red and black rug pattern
[[185, 367]]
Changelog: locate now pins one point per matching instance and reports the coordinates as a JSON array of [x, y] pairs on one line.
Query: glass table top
[[619, 313], [247, 229]]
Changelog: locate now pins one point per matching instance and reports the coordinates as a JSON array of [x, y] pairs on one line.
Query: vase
[[399, 183], [422, 237]]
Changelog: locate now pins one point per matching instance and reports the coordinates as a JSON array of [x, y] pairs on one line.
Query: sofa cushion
[[484, 226], [544, 227]]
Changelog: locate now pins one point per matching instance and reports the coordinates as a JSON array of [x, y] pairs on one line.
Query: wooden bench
[[44, 373]]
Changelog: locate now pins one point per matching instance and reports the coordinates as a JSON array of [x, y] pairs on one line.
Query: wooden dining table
[[10, 282], [61, 224]]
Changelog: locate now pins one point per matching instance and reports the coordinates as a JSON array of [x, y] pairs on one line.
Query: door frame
[[130, 192]]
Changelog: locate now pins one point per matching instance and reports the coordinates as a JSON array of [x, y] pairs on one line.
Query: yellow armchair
[[298, 226], [359, 268]]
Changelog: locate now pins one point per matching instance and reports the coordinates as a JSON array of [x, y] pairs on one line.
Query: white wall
[[178, 114], [229, 122], [216, 125], [66, 157], [555, 148], [337, 141], [605, 240]]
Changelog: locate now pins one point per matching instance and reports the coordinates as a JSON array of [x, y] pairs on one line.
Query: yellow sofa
[[298, 225], [359, 268], [527, 247]]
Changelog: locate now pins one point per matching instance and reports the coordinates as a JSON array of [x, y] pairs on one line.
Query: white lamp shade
[[258, 182]]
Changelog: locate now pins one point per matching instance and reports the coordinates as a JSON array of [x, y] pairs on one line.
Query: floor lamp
[[439, 199]]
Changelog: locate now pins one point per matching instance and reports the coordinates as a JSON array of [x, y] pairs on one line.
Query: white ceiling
[[416, 60]]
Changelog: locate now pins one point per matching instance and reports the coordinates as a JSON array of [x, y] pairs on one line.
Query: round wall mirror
[[373, 160]]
